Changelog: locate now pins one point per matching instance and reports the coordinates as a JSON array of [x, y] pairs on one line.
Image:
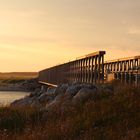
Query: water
[[6, 97]]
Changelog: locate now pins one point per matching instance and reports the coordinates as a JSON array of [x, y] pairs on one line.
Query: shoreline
[[13, 88], [25, 85], [77, 107]]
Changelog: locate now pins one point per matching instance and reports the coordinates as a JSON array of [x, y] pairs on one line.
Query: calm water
[[7, 97]]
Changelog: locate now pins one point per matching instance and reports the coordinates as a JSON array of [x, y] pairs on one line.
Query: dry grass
[[108, 117], [18, 75]]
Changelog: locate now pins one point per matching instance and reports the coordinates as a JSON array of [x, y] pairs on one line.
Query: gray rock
[[44, 98], [22, 102], [52, 104], [51, 91], [84, 94], [76, 83], [36, 104], [88, 86], [44, 88], [73, 90], [60, 90], [64, 87], [59, 97], [37, 92], [55, 103]]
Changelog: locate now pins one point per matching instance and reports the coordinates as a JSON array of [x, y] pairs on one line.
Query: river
[[6, 97]]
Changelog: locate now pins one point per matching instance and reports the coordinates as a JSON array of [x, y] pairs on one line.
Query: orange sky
[[35, 34]]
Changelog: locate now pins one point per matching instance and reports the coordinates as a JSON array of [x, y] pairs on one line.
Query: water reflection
[[7, 97]]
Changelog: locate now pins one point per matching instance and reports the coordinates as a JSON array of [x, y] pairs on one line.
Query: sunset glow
[[35, 34]]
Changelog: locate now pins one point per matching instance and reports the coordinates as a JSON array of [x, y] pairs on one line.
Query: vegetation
[[106, 117], [18, 81], [15, 77]]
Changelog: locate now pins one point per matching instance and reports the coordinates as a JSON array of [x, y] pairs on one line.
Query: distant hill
[[18, 75]]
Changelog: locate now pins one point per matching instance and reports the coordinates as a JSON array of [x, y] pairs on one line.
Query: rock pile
[[75, 93]]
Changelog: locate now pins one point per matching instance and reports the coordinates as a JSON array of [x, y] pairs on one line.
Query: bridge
[[126, 69], [87, 69], [92, 68]]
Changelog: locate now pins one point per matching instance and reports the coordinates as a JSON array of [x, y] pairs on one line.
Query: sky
[[36, 34]]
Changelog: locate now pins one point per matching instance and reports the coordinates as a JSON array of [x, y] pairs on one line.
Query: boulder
[[88, 86], [84, 94], [73, 90], [55, 103], [44, 98], [51, 91], [52, 105], [36, 104], [30, 85], [35, 93], [60, 90], [64, 87], [23, 102]]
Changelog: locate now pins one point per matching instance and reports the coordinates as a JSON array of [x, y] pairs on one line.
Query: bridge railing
[[91, 68], [125, 69], [124, 65], [87, 69]]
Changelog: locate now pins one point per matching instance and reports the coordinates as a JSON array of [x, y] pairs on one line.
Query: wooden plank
[[49, 84]]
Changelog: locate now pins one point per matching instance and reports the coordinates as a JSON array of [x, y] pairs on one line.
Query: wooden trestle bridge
[[92, 68]]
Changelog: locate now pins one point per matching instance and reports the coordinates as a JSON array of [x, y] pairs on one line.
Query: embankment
[[74, 112], [19, 84]]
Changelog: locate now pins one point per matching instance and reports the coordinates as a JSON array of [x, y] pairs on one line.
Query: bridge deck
[[91, 68], [88, 69]]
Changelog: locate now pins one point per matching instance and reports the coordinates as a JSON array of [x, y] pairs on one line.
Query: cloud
[[134, 31], [24, 40]]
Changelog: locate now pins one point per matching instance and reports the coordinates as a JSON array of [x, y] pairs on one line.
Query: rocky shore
[[74, 112], [23, 85], [76, 93]]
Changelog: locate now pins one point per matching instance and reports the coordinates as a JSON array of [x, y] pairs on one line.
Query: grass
[[23, 75], [16, 77], [108, 117]]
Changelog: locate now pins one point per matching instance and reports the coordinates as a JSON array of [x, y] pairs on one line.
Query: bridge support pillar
[[119, 76], [122, 77], [126, 77], [95, 71], [92, 69], [136, 79]]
